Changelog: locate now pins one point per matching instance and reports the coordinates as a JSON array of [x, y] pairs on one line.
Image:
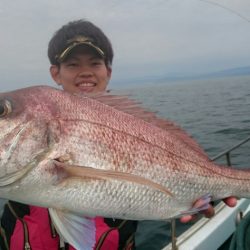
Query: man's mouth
[[86, 86]]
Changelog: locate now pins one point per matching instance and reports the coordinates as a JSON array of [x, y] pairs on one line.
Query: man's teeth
[[86, 84]]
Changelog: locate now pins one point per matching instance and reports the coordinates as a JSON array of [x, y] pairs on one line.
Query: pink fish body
[[103, 156]]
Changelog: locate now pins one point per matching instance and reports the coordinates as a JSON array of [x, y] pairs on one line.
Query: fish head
[[25, 128]]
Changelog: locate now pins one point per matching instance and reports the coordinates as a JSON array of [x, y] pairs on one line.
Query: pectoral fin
[[73, 229], [93, 173]]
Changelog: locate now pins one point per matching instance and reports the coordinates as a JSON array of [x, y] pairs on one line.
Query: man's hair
[[79, 28]]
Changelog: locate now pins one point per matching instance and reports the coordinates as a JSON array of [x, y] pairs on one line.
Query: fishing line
[[227, 9]]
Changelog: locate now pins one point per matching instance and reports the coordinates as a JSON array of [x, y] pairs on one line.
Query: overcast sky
[[150, 37]]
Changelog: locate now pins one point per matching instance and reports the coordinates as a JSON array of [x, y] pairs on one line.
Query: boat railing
[[228, 151], [227, 154]]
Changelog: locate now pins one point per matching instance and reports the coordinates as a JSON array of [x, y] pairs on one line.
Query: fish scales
[[125, 123]]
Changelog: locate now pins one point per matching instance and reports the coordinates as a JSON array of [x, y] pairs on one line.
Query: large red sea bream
[[102, 156]]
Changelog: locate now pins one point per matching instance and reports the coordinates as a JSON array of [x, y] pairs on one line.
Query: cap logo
[[77, 40]]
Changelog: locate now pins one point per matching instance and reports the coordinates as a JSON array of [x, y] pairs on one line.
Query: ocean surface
[[215, 112]]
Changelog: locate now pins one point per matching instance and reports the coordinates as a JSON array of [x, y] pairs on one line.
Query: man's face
[[83, 71]]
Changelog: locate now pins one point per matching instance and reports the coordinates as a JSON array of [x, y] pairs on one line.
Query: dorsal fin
[[132, 107]]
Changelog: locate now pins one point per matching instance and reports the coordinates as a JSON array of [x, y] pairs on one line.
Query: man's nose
[[85, 72]]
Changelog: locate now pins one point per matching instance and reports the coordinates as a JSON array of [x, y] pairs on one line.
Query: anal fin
[[76, 230]]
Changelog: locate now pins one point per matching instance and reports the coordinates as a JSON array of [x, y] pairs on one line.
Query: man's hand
[[209, 212]]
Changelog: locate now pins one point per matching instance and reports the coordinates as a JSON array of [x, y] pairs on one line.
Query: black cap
[[78, 41]]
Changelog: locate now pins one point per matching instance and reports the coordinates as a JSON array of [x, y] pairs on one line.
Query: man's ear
[[109, 72], [54, 72]]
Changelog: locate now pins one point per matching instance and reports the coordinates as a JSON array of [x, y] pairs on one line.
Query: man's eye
[[96, 63], [72, 64]]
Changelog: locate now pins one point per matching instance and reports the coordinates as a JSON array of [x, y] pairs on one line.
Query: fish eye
[[5, 108]]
